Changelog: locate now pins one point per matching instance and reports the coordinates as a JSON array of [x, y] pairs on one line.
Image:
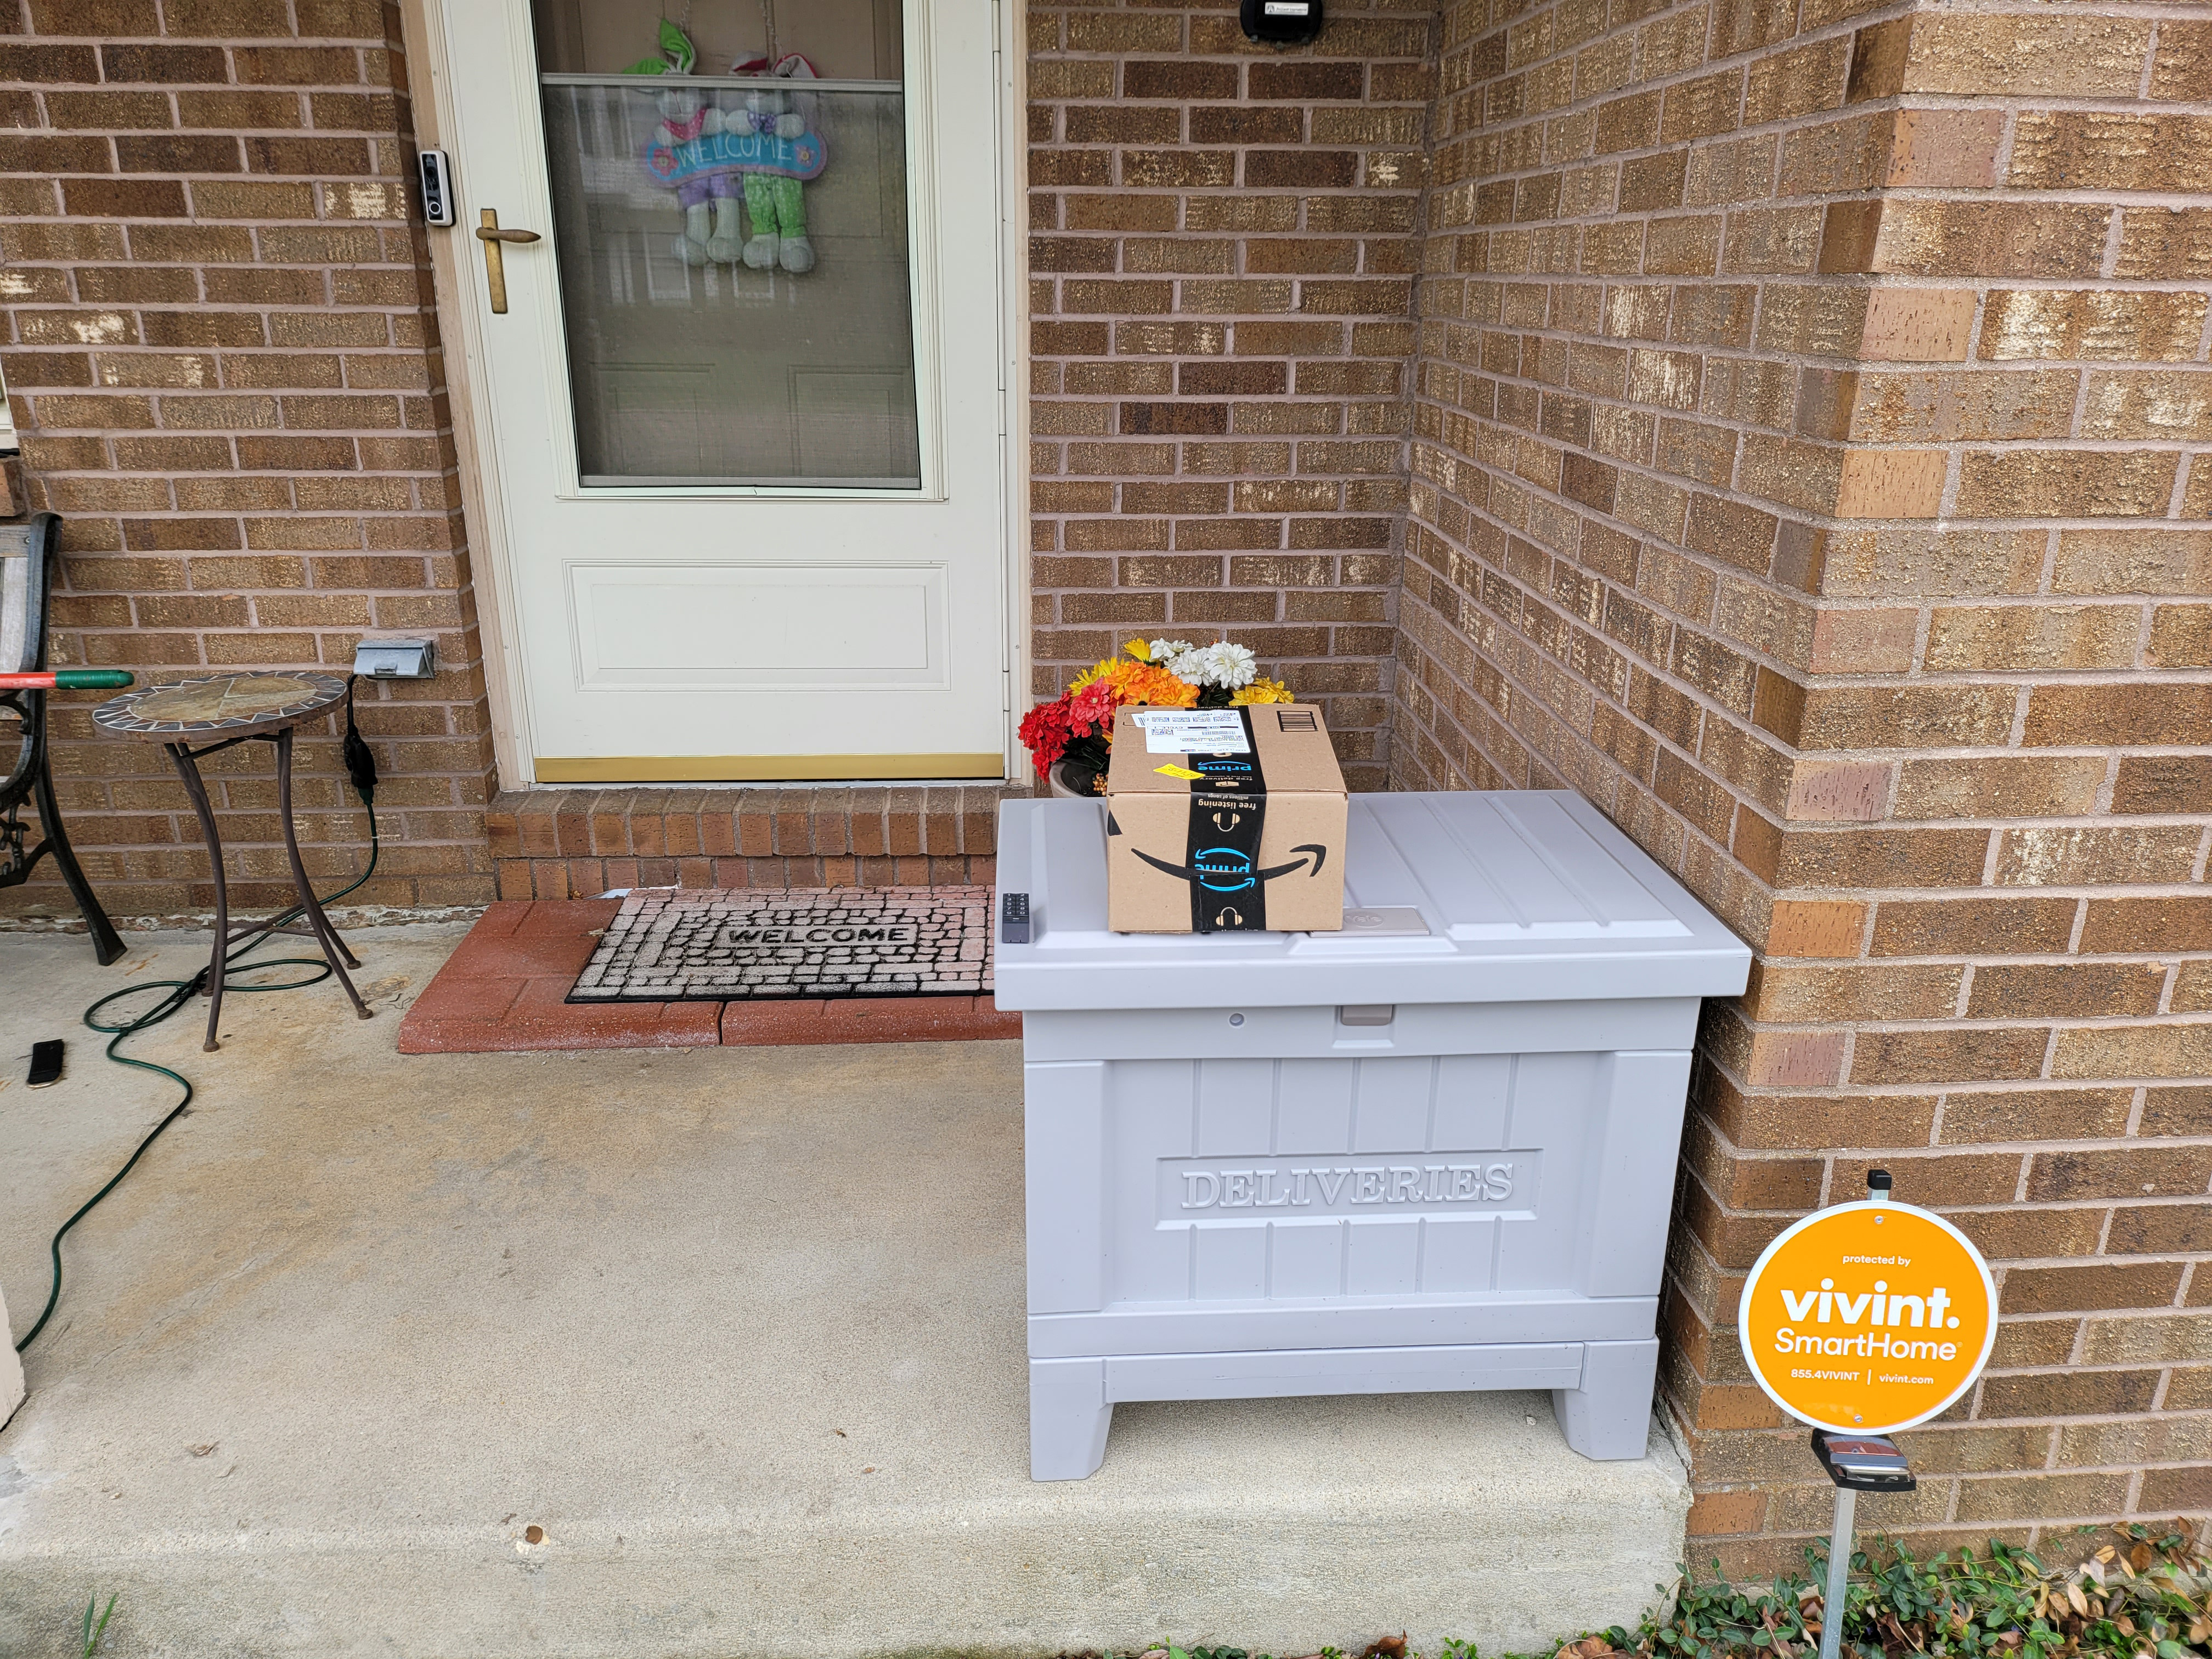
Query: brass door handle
[[492, 236]]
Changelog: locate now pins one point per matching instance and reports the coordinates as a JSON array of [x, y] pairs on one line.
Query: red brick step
[[504, 990]]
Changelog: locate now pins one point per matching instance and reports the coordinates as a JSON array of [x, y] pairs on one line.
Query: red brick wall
[[1806, 469], [576, 843], [223, 361], [1222, 262], [1778, 419]]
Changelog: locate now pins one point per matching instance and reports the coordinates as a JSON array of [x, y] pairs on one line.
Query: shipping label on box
[[1224, 820]]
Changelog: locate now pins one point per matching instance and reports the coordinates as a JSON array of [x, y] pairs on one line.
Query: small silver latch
[[396, 660], [1367, 1013], [1389, 919]]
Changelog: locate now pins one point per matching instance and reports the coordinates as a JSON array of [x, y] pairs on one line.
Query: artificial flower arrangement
[[1076, 727]]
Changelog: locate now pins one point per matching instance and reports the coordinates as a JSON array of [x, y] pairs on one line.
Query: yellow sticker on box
[[1174, 771]]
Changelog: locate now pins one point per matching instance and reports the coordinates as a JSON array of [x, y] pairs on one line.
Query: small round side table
[[235, 708]]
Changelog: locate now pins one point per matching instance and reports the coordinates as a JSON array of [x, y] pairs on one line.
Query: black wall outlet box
[[1283, 22]]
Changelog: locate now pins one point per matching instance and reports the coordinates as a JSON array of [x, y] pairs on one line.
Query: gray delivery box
[[1434, 1151]]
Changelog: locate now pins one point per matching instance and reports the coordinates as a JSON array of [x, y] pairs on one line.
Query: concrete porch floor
[[740, 1328]]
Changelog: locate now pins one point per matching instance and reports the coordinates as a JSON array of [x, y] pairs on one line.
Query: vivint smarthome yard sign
[[1870, 1317]]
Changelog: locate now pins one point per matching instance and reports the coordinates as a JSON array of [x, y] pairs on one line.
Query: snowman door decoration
[[761, 151]]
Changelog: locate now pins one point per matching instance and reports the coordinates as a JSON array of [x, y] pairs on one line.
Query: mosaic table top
[[218, 702], [708, 945]]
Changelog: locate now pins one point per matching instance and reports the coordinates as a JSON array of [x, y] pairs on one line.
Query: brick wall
[[577, 843], [1222, 260], [223, 357], [1777, 420], [1805, 470]]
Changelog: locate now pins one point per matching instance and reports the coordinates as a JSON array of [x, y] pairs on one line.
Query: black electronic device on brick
[[1281, 22], [1863, 1462], [1014, 919]]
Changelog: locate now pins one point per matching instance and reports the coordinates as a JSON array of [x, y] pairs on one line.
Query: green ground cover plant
[[2148, 1595], [2145, 1594]]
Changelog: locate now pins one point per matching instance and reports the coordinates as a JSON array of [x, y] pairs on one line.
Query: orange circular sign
[[1870, 1315]]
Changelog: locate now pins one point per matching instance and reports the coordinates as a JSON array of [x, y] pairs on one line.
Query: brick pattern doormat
[[712, 944]]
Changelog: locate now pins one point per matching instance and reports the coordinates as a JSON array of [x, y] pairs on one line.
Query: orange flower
[[1152, 684], [1135, 681]]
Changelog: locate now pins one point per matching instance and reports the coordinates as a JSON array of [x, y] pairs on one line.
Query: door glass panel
[[734, 248]]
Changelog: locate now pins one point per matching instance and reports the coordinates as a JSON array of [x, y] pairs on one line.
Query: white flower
[[1229, 666], [1226, 665], [1164, 652]]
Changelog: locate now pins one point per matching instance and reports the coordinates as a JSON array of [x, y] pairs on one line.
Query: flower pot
[[1064, 789]]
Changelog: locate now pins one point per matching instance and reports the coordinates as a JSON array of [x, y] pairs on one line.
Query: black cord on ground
[[360, 767]]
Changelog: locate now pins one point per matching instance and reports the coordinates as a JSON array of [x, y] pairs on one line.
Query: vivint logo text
[[1879, 1313]]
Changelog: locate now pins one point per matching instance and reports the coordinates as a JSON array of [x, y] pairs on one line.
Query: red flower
[[1045, 731], [1091, 710]]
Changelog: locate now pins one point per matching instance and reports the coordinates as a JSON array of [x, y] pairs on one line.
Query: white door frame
[[461, 329]]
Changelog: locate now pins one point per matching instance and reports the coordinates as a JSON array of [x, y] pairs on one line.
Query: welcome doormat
[[717, 945]]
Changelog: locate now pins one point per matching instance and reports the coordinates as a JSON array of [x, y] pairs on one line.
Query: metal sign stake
[[1886, 1285], [1857, 1462], [1843, 1530], [1839, 1569]]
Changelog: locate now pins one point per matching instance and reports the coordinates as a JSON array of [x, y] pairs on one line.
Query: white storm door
[[753, 481]]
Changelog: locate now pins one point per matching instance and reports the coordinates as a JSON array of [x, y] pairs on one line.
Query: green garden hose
[[177, 994]]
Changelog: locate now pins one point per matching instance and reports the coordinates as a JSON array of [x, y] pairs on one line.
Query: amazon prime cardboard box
[[1222, 820]]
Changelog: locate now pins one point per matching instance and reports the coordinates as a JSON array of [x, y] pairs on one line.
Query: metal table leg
[[316, 925], [334, 950], [188, 768]]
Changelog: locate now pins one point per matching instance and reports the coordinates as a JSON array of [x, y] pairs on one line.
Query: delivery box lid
[[1526, 895], [1278, 749]]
